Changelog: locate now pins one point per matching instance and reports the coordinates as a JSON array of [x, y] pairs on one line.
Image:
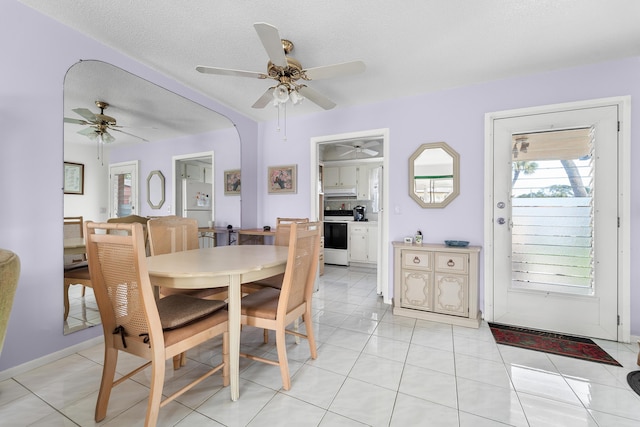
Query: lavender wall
[[31, 156], [37, 52], [455, 116]]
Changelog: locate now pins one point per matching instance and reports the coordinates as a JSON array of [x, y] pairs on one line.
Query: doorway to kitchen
[[556, 250], [342, 161]]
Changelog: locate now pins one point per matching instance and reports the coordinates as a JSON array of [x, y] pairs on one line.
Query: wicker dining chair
[[275, 309], [134, 323], [170, 234]]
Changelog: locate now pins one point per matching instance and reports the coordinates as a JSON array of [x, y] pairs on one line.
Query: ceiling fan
[[287, 71], [99, 124], [360, 147]]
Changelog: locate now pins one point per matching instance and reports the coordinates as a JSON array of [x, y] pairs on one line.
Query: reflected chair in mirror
[[134, 323], [76, 269], [9, 275], [275, 309]]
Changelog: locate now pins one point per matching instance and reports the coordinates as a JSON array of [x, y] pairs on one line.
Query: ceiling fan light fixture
[[281, 94], [296, 98]]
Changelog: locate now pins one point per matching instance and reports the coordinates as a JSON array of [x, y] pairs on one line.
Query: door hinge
[[618, 125], [618, 222], [618, 320]]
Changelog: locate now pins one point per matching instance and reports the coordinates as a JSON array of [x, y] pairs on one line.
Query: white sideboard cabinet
[[437, 282]]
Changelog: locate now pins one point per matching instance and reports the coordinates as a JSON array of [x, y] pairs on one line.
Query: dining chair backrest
[[73, 227], [172, 234], [283, 228], [129, 219], [123, 292], [302, 265]]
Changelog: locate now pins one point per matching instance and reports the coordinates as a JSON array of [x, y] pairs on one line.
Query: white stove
[[336, 238]]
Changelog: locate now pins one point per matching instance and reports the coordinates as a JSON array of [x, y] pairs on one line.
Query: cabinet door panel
[[451, 294], [416, 290]]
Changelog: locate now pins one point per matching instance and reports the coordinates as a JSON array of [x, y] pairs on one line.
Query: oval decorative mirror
[[434, 175], [155, 189]]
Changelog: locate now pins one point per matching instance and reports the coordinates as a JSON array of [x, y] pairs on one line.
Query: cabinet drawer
[[416, 260], [452, 262]]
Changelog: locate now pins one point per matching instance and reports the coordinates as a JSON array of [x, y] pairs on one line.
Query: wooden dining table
[[217, 267]]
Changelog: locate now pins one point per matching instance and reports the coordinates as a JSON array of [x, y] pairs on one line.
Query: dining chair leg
[[265, 333], [296, 327], [108, 374], [281, 346], [66, 300], [155, 392], [306, 318]]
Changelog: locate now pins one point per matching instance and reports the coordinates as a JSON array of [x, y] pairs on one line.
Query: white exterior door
[[123, 189], [555, 221]]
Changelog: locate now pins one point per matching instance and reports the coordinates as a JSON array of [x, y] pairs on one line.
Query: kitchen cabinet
[[363, 239], [340, 176], [362, 185], [437, 283]]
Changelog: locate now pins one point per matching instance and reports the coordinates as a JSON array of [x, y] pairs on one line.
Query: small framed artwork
[[232, 183], [73, 178], [282, 179]]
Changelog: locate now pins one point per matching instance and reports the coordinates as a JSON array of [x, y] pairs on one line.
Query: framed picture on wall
[[232, 182], [73, 178], [282, 179]]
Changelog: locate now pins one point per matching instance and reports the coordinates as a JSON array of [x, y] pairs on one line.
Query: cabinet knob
[[416, 260], [450, 263]]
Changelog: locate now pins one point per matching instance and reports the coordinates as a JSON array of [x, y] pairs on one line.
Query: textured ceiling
[[409, 47]]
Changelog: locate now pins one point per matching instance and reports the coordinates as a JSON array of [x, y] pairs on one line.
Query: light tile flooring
[[373, 368]]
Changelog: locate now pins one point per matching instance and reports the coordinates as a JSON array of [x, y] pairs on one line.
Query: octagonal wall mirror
[[155, 189], [434, 175]]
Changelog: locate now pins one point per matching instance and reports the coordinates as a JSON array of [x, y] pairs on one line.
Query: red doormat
[[549, 342]]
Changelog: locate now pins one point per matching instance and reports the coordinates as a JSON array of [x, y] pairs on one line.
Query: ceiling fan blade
[[264, 100], [343, 145], [370, 144], [369, 152], [329, 71], [76, 121], [347, 152], [126, 133], [316, 97], [229, 72], [86, 113], [272, 43]]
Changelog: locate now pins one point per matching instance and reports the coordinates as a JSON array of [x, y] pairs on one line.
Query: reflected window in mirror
[[434, 175]]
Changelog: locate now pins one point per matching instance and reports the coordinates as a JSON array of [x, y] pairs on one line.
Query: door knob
[[501, 221]]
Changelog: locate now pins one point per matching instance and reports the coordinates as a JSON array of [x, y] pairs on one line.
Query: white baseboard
[[52, 357]]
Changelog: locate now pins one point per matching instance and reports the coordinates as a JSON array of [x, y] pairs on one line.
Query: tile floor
[[373, 368]]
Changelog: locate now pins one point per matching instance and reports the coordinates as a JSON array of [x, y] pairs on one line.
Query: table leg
[[234, 336]]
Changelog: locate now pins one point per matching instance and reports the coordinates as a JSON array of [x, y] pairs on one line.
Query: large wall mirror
[[434, 175], [152, 125]]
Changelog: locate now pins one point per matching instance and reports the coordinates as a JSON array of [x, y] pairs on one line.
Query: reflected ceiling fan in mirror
[[360, 147], [287, 72], [98, 125]]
